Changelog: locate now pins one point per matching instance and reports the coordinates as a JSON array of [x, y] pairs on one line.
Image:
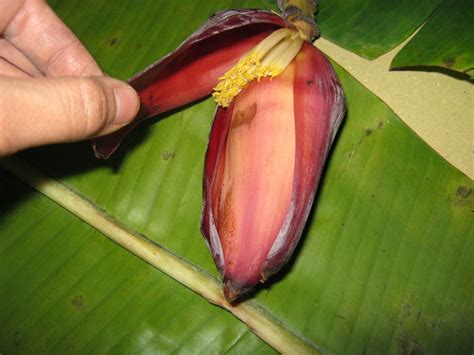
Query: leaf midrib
[[259, 320]]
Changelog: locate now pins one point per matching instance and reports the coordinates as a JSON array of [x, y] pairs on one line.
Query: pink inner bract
[[254, 180]]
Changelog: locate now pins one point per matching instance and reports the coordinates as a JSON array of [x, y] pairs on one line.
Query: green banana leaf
[[385, 264], [373, 27], [445, 41]]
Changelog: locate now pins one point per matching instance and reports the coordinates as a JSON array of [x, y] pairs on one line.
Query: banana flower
[[279, 107]]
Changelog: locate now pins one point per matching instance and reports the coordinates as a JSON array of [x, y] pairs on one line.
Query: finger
[[10, 69], [17, 58], [39, 33], [37, 111], [8, 9]]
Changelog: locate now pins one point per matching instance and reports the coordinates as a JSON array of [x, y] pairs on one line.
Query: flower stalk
[[300, 13]]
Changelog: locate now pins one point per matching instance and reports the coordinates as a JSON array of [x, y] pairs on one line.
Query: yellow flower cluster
[[269, 58]]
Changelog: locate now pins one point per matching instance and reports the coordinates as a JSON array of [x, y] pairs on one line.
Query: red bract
[[264, 160], [266, 149], [192, 71]]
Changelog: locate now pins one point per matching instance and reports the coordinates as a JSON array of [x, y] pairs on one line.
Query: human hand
[[51, 89]]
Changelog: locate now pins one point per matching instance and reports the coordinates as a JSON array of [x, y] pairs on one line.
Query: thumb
[[37, 111]]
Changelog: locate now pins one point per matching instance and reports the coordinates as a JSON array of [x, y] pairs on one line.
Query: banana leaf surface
[[384, 266]]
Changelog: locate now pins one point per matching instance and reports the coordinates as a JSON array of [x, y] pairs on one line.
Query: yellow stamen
[[268, 58]]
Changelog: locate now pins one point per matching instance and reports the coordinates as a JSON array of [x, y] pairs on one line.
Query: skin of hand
[[51, 89]]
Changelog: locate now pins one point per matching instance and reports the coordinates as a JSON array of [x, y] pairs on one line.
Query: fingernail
[[127, 104]]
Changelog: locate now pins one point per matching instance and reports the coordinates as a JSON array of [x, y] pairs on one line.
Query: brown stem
[[301, 14]]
